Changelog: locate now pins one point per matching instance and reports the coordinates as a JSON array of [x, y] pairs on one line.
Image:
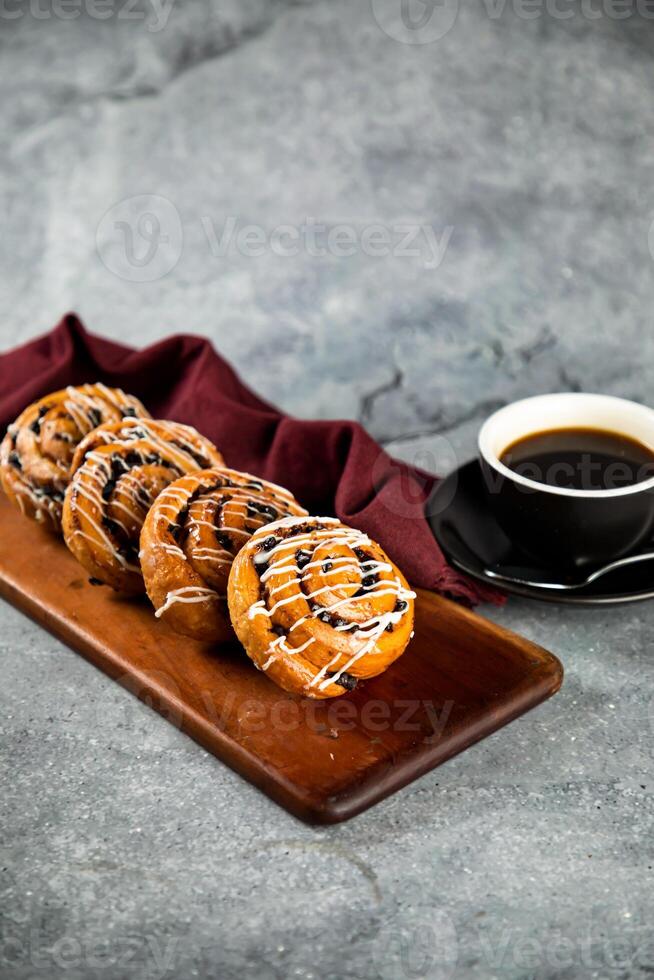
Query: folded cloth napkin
[[331, 467]]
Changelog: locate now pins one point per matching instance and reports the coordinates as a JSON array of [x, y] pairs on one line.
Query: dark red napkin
[[331, 467]]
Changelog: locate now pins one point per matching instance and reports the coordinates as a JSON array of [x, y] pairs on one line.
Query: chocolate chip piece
[[95, 581], [302, 558], [154, 459], [36, 424], [128, 552], [94, 417], [279, 630], [223, 539], [401, 605], [327, 566], [389, 628], [267, 511], [143, 497], [269, 543], [360, 553], [368, 581], [201, 460], [176, 531], [112, 526], [346, 681]]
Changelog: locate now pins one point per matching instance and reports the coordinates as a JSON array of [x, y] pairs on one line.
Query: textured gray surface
[[125, 851]]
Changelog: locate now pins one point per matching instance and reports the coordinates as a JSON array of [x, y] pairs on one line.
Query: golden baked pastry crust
[[318, 605], [38, 448], [117, 472], [190, 537]]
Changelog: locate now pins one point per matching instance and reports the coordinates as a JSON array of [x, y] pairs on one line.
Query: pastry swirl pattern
[[117, 472], [190, 537], [38, 448], [319, 605]]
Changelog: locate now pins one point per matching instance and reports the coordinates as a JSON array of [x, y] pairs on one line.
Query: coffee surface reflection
[[580, 459]]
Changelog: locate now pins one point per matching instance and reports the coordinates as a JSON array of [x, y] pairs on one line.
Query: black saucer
[[472, 540]]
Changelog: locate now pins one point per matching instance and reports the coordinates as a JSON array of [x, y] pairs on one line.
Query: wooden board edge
[[247, 766]]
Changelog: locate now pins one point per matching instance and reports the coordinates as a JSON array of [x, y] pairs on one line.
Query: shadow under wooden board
[[461, 678]]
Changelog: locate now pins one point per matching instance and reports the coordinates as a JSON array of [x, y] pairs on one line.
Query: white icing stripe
[[205, 553], [371, 568], [279, 647], [335, 571], [79, 417], [321, 673], [370, 631], [97, 480], [288, 564], [187, 594], [172, 549], [128, 434], [384, 620], [117, 397], [292, 520], [372, 593], [39, 503], [102, 541], [93, 498], [258, 609], [352, 539]]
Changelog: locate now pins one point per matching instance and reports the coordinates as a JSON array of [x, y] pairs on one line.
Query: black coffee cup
[[567, 528]]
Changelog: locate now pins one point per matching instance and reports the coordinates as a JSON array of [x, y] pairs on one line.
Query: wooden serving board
[[461, 678]]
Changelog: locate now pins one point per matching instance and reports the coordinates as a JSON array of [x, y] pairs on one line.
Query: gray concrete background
[[526, 143]]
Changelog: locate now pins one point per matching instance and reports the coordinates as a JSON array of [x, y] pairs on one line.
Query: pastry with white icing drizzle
[[190, 537], [117, 472], [318, 605], [38, 448]]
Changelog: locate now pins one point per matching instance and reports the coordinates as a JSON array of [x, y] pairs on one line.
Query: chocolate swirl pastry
[[117, 472], [318, 606], [37, 451], [190, 537]]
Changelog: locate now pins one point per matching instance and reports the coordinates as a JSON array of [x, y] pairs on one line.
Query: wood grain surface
[[461, 678]]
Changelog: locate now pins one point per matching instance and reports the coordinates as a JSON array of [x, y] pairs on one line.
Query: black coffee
[[580, 459]]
